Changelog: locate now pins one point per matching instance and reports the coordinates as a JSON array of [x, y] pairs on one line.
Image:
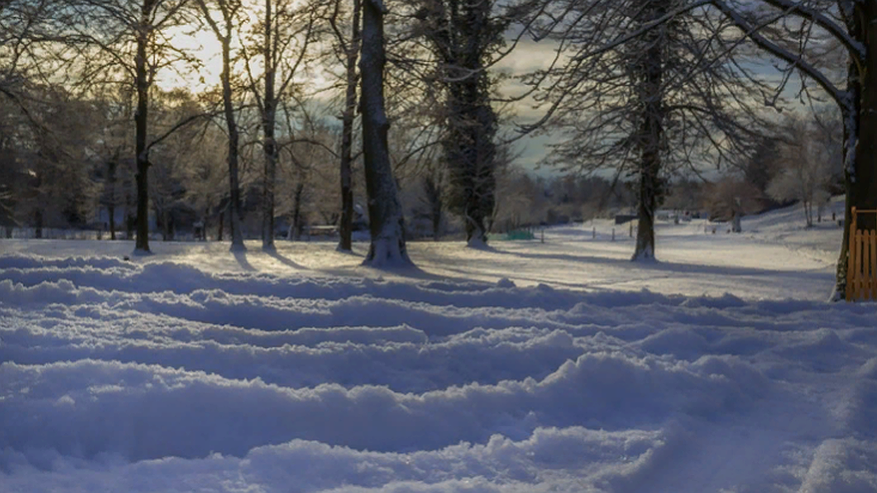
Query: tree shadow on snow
[[671, 266], [241, 258], [284, 260], [415, 273]]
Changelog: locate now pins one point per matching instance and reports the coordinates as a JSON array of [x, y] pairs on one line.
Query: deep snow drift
[[191, 372]]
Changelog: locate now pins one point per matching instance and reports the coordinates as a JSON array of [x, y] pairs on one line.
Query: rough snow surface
[[188, 371]]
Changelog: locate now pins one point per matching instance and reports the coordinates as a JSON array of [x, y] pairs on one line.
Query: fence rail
[[862, 266]]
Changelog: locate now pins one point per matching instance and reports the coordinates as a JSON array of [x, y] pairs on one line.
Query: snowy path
[[198, 370]]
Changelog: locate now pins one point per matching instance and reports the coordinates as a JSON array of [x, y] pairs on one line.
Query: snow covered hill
[[532, 367]]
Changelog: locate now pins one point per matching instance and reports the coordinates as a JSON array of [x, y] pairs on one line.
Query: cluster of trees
[[801, 162], [649, 89], [88, 122], [643, 85]]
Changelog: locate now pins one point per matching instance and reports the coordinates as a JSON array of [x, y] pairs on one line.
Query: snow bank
[[164, 377]]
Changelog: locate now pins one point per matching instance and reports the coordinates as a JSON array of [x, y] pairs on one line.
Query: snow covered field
[[529, 368]]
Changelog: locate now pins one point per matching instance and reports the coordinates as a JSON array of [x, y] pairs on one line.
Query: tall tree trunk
[[221, 225], [111, 211], [269, 145], [860, 136], [808, 213], [433, 189], [111, 206], [140, 119], [386, 223], [130, 221], [736, 226], [268, 185], [164, 231], [462, 33], [297, 224], [648, 193], [483, 200], [345, 242], [237, 235], [38, 223], [651, 72]]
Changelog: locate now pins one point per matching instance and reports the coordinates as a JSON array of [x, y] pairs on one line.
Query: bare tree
[[305, 150], [31, 95], [55, 159], [172, 160], [732, 198], [386, 222], [465, 37], [114, 148], [807, 36], [282, 46], [204, 171], [349, 51], [132, 39], [804, 167], [648, 88], [223, 30]]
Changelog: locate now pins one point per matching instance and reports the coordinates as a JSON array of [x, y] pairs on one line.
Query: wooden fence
[[862, 267]]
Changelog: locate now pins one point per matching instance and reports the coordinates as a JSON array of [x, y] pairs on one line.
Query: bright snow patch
[[195, 370]]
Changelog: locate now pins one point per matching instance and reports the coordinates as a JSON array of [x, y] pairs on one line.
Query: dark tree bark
[[462, 34], [269, 145], [130, 221], [345, 242], [386, 223], [471, 156], [111, 203], [432, 188], [38, 223], [223, 34], [237, 235], [142, 83], [650, 76], [297, 222], [860, 130]]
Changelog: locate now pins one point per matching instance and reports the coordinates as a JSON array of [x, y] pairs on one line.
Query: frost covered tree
[[465, 36], [172, 157], [647, 88], [280, 47], [807, 36], [386, 221], [222, 27], [45, 128], [732, 198], [128, 42], [54, 159], [114, 148], [304, 151], [804, 166], [347, 47], [204, 175]]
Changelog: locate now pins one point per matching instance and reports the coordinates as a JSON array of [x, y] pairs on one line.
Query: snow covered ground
[[532, 367]]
